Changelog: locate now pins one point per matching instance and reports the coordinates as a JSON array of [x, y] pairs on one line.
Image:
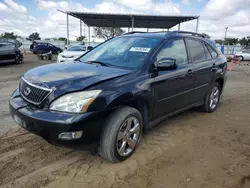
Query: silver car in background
[[72, 53], [244, 55]]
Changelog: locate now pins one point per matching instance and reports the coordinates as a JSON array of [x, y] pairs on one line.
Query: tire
[[207, 107], [19, 59], [241, 58], [115, 148]]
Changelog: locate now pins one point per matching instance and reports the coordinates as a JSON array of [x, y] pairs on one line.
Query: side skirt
[[155, 122]]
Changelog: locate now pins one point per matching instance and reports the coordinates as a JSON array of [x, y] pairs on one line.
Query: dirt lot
[[191, 150]]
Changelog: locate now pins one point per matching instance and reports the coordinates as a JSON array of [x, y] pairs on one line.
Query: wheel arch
[[143, 107], [220, 81]]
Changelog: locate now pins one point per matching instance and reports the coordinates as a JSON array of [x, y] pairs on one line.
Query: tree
[[8, 35], [80, 38], [62, 39], [107, 32], [218, 41], [34, 36], [245, 41], [231, 41]]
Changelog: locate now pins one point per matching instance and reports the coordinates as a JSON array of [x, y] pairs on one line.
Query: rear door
[[52, 48], [7, 53], [173, 89], [203, 67]]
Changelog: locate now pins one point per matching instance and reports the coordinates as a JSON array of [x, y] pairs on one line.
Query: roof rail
[[190, 33], [133, 32]]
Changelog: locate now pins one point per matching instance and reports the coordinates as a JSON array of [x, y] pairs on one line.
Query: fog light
[[70, 135]]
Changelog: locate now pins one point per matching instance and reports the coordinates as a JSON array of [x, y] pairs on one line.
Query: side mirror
[[89, 48], [166, 64]]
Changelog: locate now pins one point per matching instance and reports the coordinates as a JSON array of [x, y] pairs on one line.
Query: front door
[[173, 88]]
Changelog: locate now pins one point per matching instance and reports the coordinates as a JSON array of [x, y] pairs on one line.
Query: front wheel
[[121, 134], [212, 99]]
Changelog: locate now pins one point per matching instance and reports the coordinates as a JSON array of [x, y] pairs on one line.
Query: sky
[[26, 16]]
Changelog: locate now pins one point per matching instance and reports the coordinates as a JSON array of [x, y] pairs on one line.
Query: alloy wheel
[[214, 97], [18, 59], [128, 136]]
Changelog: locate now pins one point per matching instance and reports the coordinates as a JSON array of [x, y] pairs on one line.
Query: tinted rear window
[[4, 47], [212, 51], [196, 50], [208, 54]]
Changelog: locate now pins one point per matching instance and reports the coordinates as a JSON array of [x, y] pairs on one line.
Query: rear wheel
[[241, 58], [212, 99], [121, 134], [19, 59]]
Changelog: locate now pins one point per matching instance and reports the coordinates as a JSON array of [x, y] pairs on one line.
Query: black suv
[[124, 85], [9, 53]]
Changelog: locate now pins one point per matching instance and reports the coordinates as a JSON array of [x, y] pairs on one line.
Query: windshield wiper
[[98, 62]]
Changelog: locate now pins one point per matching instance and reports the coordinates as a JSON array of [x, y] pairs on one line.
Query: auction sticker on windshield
[[139, 49]]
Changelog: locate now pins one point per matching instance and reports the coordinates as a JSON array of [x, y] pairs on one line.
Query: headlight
[[75, 102]]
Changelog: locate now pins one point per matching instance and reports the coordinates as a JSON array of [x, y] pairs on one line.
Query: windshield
[[77, 48], [124, 52]]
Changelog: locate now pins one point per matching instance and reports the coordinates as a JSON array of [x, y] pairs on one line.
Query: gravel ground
[[190, 150]]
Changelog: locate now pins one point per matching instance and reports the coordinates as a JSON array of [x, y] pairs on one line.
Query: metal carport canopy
[[130, 20]]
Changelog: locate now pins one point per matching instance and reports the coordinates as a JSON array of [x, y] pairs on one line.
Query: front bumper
[[49, 124], [61, 59]]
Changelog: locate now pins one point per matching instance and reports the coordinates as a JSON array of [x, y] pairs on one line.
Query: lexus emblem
[[27, 91]]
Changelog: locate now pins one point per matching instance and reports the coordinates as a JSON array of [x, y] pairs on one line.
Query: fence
[[230, 49], [225, 49]]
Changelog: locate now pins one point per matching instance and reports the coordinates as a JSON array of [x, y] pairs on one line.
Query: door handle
[[190, 72], [214, 67]]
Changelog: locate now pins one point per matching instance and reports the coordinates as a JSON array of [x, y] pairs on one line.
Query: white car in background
[[244, 54], [72, 53]]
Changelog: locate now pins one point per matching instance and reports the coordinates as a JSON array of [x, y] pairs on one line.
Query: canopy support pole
[[67, 16], [80, 28], [89, 35], [147, 29], [84, 29], [132, 23], [197, 25], [179, 27], [113, 29]]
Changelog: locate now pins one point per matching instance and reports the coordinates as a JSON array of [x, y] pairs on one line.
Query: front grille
[[33, 93]]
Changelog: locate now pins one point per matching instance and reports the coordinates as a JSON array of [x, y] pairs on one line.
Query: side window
[[208, 54], [212, 51], [196, 50], [175, 49]]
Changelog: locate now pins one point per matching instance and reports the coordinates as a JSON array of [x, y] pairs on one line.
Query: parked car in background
[[72, 53], [41, 47], [244, 55], [10, 53], [124, 85]]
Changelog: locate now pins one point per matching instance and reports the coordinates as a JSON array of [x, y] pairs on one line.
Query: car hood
[[72, 53], [68, 77]]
